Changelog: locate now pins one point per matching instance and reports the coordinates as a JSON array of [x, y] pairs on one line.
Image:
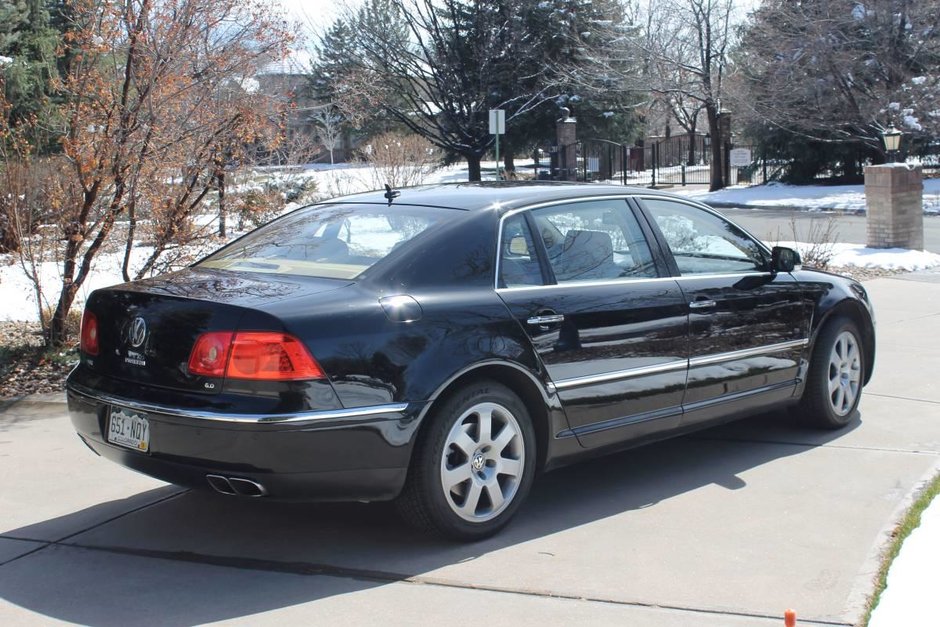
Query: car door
[[748, 326], [590, 292]]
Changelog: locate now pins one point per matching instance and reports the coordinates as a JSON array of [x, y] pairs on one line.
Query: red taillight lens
[[256, 355], [270, 357], [210, 354], [89, 334]]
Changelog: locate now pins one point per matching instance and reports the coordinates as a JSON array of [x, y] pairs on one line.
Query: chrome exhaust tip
[[236, 486], [247, 487], [221, 485]]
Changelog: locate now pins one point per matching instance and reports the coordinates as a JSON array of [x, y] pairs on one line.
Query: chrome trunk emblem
[[137, 332]]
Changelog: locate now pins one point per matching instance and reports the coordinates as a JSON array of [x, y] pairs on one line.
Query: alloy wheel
[[845, 369], [482, 462]]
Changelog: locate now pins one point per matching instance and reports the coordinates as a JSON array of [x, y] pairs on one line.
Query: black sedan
[[441, 345]]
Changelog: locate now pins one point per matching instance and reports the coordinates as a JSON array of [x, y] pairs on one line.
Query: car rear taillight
[[256, 355], [89, 333], [210, 354]]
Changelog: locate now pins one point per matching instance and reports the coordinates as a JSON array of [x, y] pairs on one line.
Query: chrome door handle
[[543, 320], [702, 304]]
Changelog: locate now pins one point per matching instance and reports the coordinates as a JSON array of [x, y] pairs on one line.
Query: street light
[[892, 140]]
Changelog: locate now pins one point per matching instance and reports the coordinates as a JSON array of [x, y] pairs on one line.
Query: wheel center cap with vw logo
[[137, 332], [478, 461]]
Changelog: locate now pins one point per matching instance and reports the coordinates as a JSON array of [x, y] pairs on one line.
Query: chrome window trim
[[621, 281], [260, 419], [589, 283], [601, 282], [676, 365]]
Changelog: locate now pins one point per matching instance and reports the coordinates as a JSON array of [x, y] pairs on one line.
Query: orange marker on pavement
[[789, 618]]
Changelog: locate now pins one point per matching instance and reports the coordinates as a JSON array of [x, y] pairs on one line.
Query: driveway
[[727, 527]]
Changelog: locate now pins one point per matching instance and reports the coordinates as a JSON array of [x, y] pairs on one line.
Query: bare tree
[[687, 48], [400, 159], [146, 117], [328, 123], [680, 59]]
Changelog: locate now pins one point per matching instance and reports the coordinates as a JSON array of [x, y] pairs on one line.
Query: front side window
[[340, 241], [595, 240], [703, 243]]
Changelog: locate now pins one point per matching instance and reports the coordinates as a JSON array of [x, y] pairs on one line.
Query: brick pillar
[[566, 132], [894, 195]]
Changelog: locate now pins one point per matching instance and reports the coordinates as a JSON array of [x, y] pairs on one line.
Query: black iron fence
[[667, 162]]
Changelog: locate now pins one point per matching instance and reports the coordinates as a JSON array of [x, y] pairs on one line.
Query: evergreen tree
[[343, 74], [28, 44], [335, 58], [563, 33]]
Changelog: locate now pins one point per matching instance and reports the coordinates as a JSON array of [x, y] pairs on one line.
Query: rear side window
[[595, 240], [338, 242], [519, 265]]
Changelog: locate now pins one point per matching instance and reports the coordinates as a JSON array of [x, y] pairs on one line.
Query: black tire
[[818, 407], [427, 505]]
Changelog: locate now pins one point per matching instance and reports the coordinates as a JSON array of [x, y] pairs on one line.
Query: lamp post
[[892, 140]]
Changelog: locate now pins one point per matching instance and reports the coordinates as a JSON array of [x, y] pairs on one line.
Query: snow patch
[[910, 598]]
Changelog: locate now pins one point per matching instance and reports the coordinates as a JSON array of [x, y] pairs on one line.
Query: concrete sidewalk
[[727, 527]]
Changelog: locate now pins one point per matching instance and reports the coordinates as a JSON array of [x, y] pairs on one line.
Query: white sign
[[497, 122], [740, 157]]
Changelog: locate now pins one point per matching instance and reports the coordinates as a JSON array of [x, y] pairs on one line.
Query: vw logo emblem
[[137, 332]]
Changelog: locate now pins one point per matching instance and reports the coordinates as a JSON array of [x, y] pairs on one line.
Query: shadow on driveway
[[360, 545]]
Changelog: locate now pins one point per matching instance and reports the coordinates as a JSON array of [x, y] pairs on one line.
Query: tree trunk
[[473, 167], [58, 326], [716, 180], [223, 210], [509, 160], [129, 243], [691, 160]]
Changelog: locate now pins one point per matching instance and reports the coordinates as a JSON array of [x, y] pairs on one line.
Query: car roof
[[495, 195]]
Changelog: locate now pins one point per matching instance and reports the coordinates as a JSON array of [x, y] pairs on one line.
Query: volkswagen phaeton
[[442, 345]]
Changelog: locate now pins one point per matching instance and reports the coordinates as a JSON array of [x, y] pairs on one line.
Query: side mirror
[[784, 259]]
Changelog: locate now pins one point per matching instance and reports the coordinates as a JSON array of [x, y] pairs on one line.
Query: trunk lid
[[147, 329]]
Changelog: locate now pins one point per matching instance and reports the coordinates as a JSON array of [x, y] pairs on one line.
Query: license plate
[[130, 429]]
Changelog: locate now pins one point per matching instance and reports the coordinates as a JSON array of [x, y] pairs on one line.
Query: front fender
[[831, 295]]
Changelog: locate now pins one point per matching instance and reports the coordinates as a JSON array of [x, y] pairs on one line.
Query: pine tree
[[28, 42]]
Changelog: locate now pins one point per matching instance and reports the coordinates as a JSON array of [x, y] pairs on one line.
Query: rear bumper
[[338, 455]]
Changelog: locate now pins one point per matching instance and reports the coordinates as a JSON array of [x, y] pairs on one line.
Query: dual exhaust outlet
[[236, 486]]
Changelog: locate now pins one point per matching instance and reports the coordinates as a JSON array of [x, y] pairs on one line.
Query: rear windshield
[[333, 241]]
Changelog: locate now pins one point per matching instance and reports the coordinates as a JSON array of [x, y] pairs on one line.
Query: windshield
[[333, 241]]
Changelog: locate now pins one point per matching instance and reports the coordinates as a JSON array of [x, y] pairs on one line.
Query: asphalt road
[[777, 225], [727, 527]]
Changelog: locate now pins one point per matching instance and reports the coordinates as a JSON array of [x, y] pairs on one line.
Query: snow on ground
[[846, 198], [860, 256], [910, 598]]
